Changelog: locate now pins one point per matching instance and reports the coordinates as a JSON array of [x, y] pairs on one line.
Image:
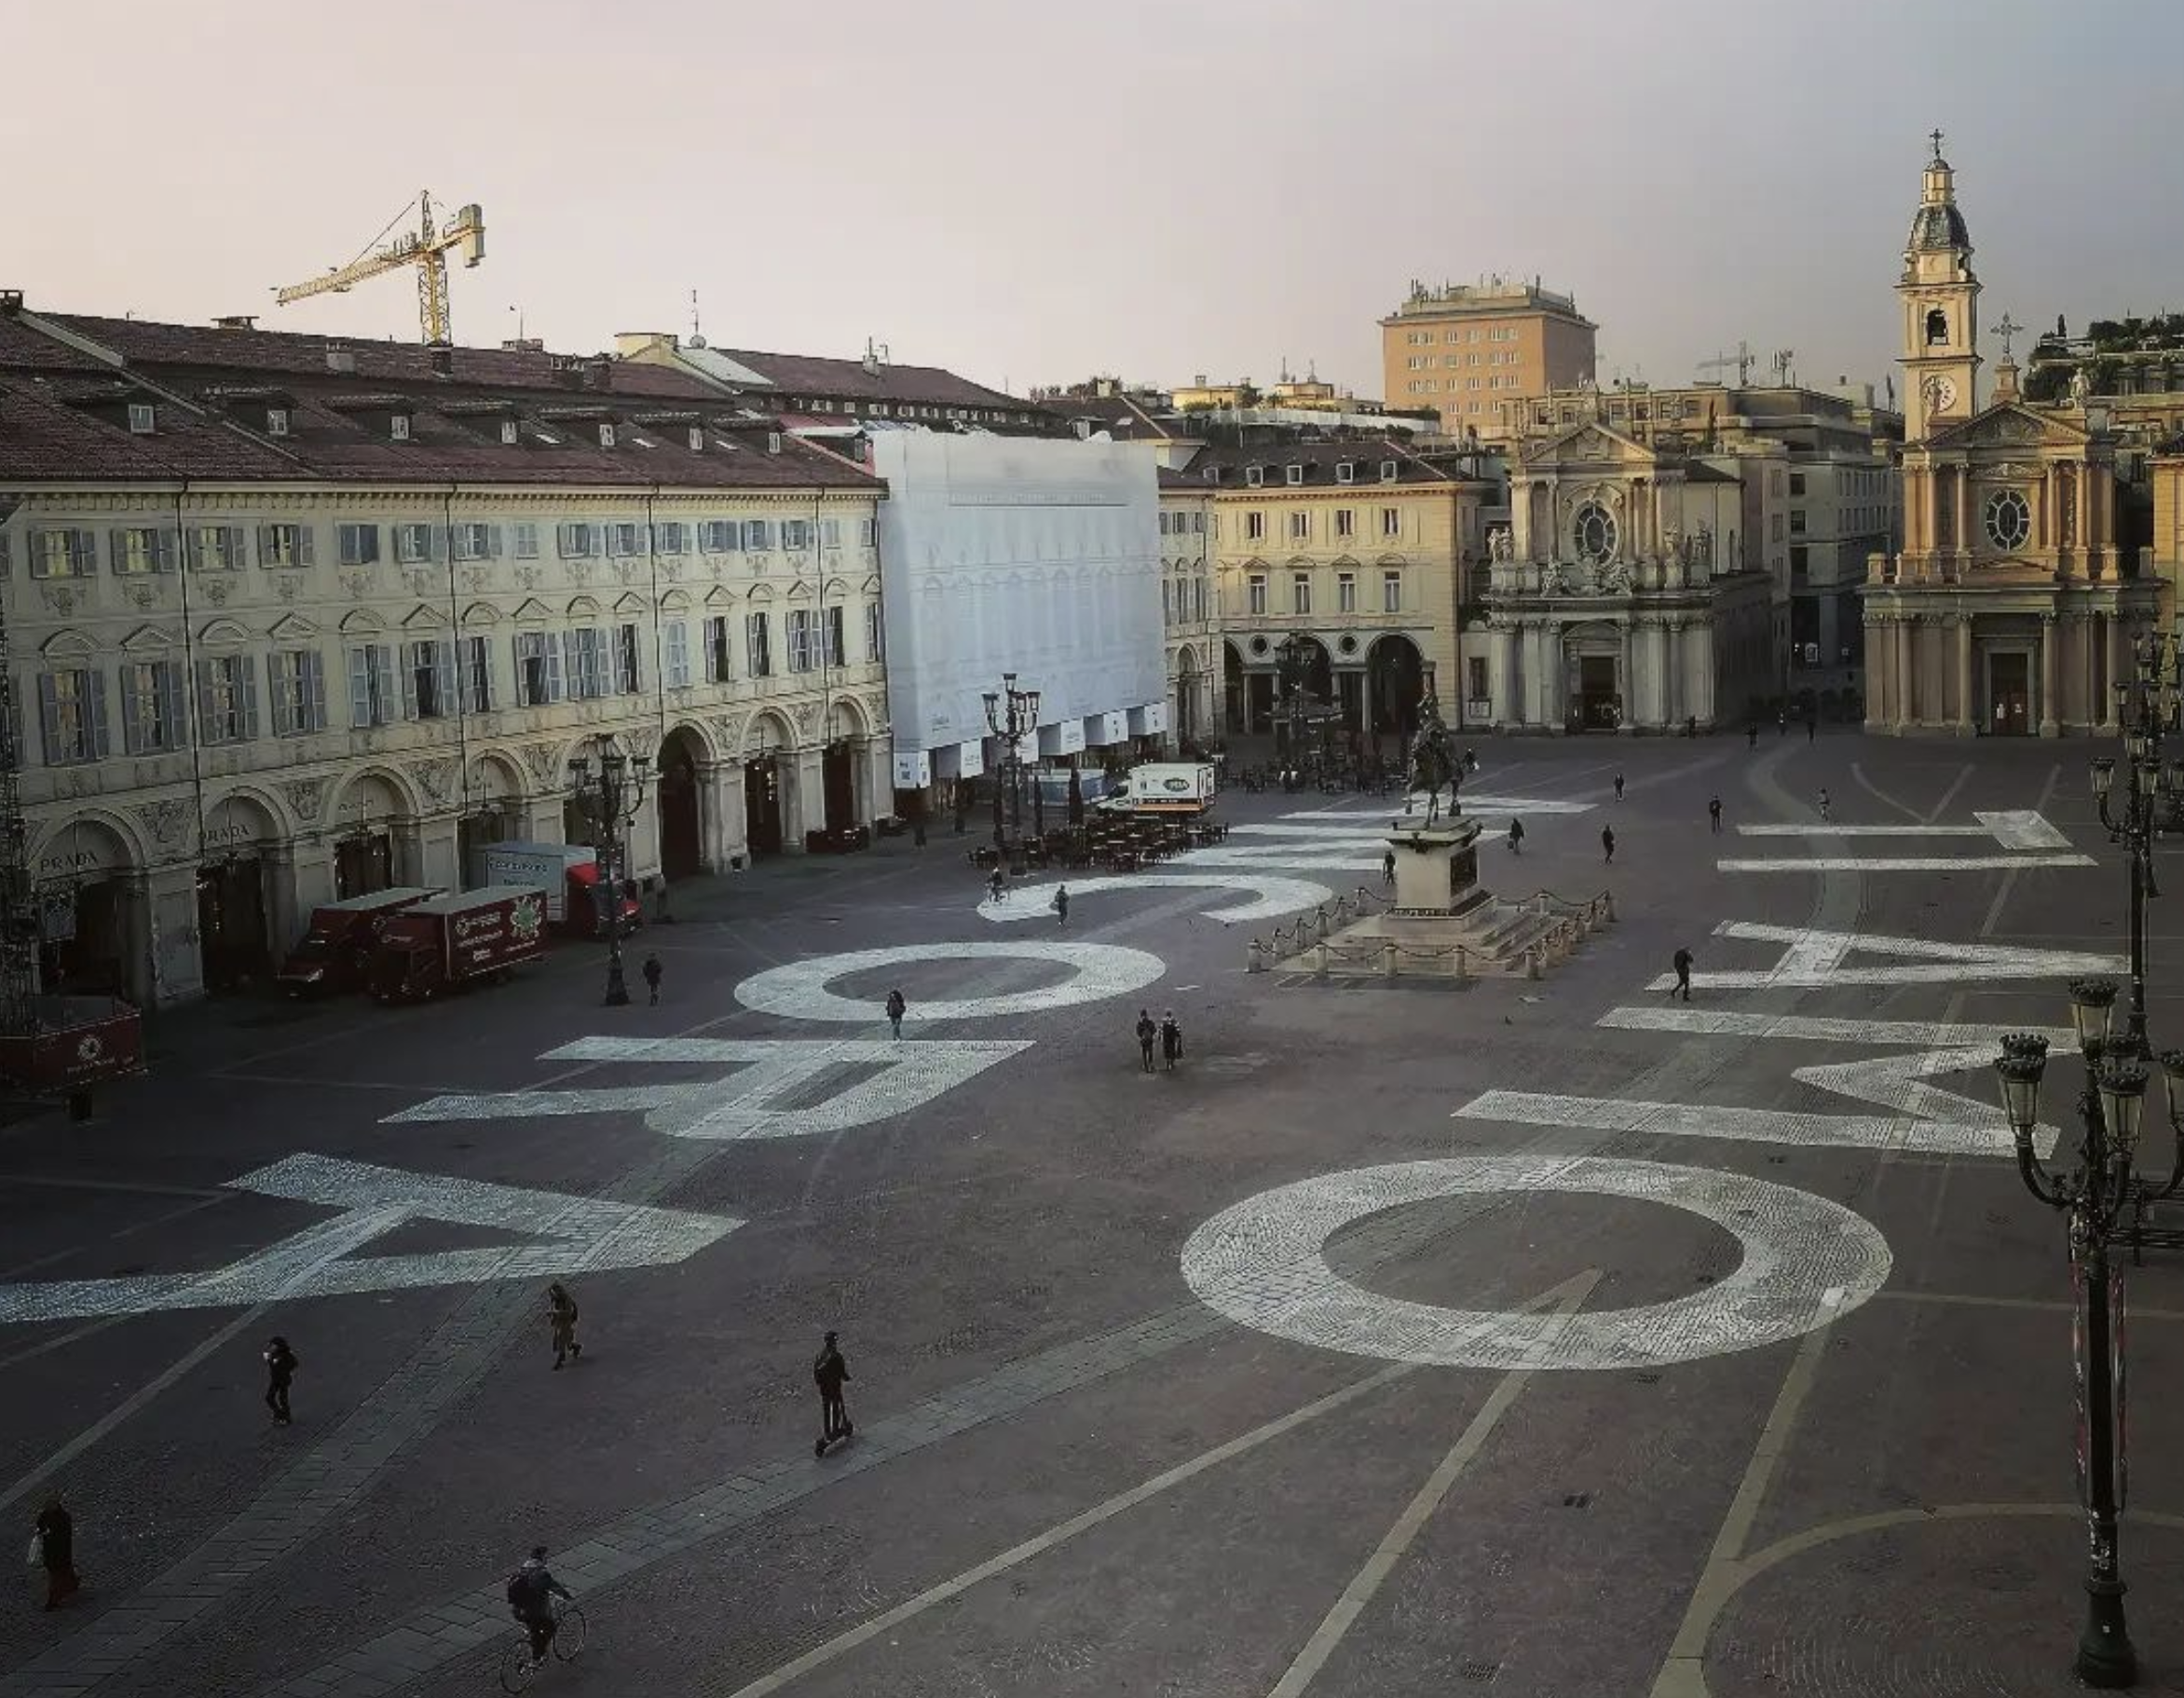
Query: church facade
[[2012, 607], [1633, 590]]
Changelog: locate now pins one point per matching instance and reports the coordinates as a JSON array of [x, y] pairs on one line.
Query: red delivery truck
[[334, 952], [448, 943], [587, 905]]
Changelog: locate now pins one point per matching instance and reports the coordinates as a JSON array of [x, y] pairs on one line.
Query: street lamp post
[[2104, 1198], [1012, 715], [610, 801]]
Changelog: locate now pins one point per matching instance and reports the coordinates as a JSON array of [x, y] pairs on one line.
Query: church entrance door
[[2009, 695], [1600, 704]]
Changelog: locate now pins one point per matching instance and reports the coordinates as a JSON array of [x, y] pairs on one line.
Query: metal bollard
[[1255, 958], [1387, 960], [1463, 964], [1532, 968], [1319, 964]]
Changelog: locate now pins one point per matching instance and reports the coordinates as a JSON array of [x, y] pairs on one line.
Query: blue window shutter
[[206, 697], [132, 739], [246, 679], [383, 670], [407, 664], [552, 654], [443, 674], [360, 687], [50, 719], [95, 711], [283, 683], [312, 696], [170, 703]]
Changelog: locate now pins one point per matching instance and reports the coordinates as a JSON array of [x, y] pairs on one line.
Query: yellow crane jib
[[426, 248]]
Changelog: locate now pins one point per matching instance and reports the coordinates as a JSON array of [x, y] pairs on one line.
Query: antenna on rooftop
[[697, 336]]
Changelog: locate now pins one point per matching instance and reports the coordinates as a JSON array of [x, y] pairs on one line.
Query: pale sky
[[1033, 191]]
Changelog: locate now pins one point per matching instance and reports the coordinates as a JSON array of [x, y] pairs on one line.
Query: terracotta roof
[[52, 427]]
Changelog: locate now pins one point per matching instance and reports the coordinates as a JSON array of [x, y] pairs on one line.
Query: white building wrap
[[1006, 555]]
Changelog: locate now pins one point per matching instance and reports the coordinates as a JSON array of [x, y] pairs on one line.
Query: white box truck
[[1167, 786], [539, 867]]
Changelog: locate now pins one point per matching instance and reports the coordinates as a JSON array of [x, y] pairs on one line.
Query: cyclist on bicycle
[[531, 1592]]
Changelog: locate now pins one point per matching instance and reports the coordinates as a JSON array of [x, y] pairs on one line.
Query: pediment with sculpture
[[2008, 424]]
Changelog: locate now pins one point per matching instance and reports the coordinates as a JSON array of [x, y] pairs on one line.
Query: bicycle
[[519, 1667]]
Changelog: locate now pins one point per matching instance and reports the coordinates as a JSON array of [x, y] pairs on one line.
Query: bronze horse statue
[[1433, 761]]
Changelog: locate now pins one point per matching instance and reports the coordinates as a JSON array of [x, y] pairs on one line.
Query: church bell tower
[[1941, 308]]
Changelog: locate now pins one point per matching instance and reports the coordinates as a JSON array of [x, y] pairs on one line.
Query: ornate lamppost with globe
[[610, 800], [2103, 1197], [1011, 714]]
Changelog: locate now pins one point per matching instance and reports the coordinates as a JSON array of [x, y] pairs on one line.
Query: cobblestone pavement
[[1069, 1475]]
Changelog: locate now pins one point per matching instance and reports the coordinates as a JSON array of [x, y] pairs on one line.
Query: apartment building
[[1469, 349], [292, 619]]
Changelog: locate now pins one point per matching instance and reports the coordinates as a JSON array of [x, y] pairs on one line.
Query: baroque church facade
[[1633, 590], [2012, 607]]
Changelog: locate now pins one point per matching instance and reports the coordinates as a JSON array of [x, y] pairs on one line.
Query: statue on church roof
[[2080, 387]]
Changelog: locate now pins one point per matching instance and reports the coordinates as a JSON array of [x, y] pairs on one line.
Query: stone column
[[879, 785], [735, 831], [2047, 673], [2081, 528], [1963, 516], [1625, 680], [707, 775], [1930, 510], [283, 915], [1907, 670], [1505, 674], [1963, 622], [2115, 667], [1880, 671], [1672, 673]]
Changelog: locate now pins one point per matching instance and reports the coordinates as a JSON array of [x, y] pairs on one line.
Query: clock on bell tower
[[1941, 307]]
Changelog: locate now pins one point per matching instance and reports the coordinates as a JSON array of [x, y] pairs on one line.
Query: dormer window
[[606, 436], [1346, 471], [398, 427], [142, 418], [276, 422], [509, 434], [1254, 476], [1296, 474], [1387, 472], [1213, 475], [697, 440], [773, 442]]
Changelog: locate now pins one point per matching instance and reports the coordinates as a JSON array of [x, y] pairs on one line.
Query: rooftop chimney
[[341, 359]]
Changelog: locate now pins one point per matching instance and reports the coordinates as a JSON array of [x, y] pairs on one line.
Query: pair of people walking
[[1168, 1035]]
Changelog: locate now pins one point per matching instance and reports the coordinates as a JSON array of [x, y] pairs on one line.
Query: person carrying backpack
[[1171, 1040], [896, 1008], [1516, 836], [1061, 903], [531, 1591], [1147, 1032], [829, 1371], [652, 975]]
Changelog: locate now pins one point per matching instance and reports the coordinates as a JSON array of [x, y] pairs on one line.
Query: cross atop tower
[[1935, 137], [2006, 329]]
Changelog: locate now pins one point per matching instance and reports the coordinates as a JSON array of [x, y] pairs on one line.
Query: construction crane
[[426, 249], [1742, 360]]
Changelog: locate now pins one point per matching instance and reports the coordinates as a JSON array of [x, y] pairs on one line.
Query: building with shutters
[[291, 620]]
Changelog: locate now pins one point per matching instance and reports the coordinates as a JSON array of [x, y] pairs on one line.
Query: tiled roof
[[1117, 414], [1183, 483], [1318, 460], [338, 424], [848, 379], [402, 364]]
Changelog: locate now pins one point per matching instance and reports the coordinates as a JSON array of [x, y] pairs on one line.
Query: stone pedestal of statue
[[1443, 925], [1436, 866]]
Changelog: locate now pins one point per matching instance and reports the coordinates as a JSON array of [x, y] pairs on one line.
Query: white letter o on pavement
[[1262, 1263], [1097, 971]]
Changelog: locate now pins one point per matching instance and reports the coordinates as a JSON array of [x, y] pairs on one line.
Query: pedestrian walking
[[1691, 726], [280, 1366], [1061, 903], [1387, 868], [1782, 722], [652, 974], [1607, 842], [1751, 735], [1714, 813], [830, 1372], [1619, 787], [1824, 802], [1812, 726], [1682, 976], [1147, 1032], [896, 1008], [561, 1316], [1171, 1040], [994, 885], [1516, 836], [1471, 761], [55, 1548]]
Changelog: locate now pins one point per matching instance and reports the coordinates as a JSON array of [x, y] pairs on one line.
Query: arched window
[[1937, 328], [2009, 520], [1595, 534]]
